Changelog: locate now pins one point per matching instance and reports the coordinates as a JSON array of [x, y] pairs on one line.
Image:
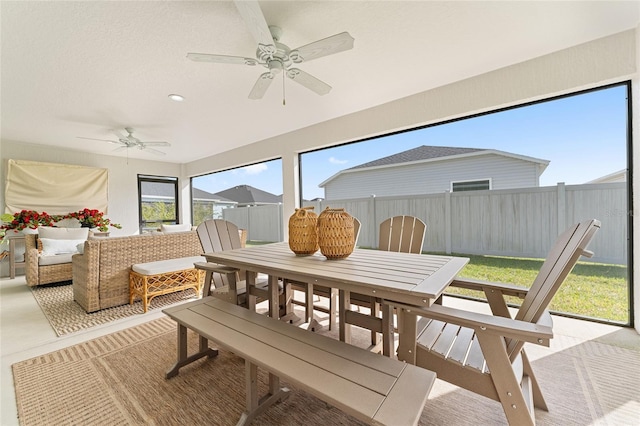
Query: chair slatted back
[[565, 253], [218, 235], [356, 231], [402, 234]]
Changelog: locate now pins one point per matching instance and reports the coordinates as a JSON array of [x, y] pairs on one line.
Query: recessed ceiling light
[[177, 98]]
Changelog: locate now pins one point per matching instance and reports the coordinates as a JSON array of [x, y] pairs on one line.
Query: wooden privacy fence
[[515, 222]]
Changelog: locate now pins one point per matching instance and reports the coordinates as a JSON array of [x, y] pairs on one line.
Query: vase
[[335, 233], [303, 232]]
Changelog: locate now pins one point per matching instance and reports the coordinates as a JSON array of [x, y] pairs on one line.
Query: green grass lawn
[[593, 290]]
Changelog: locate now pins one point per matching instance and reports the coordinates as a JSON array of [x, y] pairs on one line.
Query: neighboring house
[[436, 169], [158, 192], [246, 195], [209, 206], [619, 176]]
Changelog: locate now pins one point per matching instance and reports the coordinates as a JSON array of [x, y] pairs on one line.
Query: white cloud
[[334, 160], [255, 169]]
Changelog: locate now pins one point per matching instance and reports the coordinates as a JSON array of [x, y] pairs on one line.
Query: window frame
[[453, 182], [142, 224]]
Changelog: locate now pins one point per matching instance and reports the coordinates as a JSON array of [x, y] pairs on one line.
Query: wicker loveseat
[[101, 273]]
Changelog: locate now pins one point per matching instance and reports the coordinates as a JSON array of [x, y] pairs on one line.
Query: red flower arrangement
[[27, 219], [92, 219], [32, 219]]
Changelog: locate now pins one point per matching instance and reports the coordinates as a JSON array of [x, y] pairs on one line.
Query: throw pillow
[[63, 233], [51, 247], [182, 227]]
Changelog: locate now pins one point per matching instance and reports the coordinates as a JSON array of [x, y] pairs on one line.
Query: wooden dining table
[[406, 278]]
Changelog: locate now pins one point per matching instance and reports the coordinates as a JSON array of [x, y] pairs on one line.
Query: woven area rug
[[66, 316], [118, 379]]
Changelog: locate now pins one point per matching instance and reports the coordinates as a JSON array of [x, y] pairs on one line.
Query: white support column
[[184, 206], [290, 188]]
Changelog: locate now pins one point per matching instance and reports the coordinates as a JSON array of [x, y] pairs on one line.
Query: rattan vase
[[335, 233], [303, 232]]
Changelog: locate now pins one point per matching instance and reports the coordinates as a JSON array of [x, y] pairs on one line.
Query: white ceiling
[[79, 69]]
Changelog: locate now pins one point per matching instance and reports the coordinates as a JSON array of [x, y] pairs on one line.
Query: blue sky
[[583, 137]]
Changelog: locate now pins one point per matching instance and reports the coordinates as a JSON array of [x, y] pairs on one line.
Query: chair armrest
[[214, 267], [86, 276], [31, 260], [539, 333], [480, 285]]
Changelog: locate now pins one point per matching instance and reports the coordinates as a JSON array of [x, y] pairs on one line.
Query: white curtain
[[55, 188]]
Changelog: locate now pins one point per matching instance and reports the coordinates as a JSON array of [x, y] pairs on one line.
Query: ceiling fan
[[130, 141], [277, 57]]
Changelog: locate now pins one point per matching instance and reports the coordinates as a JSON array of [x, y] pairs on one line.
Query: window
[[549, 164], [248, 196], [158, 201], [470, 185]]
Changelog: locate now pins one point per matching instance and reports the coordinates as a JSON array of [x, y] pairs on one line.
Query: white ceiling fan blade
[[261, 86], [317, 49], [122, 148], [222, 59], [102, 140], [308, 81], [257, 25], [119, 134], [155, 143]]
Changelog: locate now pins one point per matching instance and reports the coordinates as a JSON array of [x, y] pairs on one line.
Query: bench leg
[[183, 359], [256, 405]]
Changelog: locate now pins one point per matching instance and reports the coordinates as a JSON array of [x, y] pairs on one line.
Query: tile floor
[[26, 333]]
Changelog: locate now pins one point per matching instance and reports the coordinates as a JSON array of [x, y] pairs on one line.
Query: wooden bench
[[151, 279], [370, 387]]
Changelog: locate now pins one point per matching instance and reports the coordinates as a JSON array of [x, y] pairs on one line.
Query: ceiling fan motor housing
[[274, 59]]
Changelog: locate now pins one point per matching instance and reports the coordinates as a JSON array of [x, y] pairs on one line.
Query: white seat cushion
[[168, 265], [55, 259]]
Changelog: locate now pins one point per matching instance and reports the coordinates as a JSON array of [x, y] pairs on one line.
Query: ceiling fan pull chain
[[283, 101]]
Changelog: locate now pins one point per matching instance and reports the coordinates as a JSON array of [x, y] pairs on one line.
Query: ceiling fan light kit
[[278, 57]]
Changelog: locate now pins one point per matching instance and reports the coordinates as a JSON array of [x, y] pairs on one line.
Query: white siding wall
[[433, 177]]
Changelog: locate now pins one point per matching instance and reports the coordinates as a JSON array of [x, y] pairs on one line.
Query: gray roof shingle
[[246, 194], [423, 152]]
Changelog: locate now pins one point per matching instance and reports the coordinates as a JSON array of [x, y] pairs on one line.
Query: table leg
[[12, 258], [308, 303], [251, 278], [274, 306], [344, 303], [388, 332], [407, 334]]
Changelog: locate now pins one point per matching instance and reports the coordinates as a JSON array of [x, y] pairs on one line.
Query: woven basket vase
[[303, 232], [335, 233]]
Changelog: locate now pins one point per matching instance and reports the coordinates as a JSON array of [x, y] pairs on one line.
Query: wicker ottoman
[[148, 280]]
